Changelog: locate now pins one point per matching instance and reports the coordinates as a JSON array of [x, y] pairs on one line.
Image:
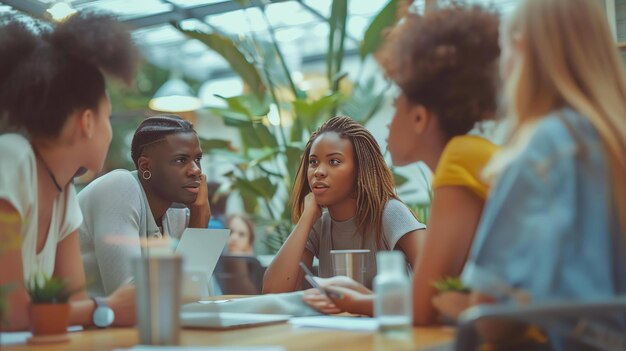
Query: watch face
[[103, 317]]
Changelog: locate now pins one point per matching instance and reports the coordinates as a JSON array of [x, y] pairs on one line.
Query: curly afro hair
[[446, 61], [49, 71]]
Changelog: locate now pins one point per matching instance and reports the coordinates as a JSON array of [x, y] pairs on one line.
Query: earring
[[146, 174]]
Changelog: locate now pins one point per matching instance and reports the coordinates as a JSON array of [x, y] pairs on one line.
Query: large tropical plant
[[265, 165]]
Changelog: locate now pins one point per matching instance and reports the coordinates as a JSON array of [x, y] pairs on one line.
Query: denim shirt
[[549, 226]]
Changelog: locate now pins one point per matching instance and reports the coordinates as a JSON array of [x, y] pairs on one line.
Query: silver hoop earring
[[144, 176]]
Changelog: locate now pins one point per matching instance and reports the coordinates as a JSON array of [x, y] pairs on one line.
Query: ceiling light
[[60, 11], [175, 96]]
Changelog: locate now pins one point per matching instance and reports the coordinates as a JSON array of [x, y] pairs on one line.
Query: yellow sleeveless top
[[462, 162]]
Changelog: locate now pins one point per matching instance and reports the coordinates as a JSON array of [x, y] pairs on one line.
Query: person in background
[[445, 64], [554, 227], [52, 89], [343, 170], [241, 239], [125, 212]]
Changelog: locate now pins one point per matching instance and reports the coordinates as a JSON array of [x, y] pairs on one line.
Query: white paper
[[335, 322], [16, 338]]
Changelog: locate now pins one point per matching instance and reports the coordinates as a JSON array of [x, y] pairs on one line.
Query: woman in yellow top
[[444, 64]]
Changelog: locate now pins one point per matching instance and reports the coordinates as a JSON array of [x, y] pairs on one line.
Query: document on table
[[336, 322], [17, 338]]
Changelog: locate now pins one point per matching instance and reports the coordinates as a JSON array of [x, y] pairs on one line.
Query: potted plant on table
[[49, 309]]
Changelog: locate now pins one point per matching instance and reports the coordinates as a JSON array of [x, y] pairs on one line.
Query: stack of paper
[[335, 322]]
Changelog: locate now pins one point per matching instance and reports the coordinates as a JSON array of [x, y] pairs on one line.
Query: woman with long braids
[[342, 170], [52, 90], [445, 65]]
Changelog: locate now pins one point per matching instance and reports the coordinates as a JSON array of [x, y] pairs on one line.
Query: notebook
[[200, 249]]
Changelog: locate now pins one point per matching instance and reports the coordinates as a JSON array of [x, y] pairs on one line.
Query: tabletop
[[284, 335]]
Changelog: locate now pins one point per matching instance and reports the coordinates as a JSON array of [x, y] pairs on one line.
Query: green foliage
[[374, 34], [336, 39], [44, 289], [129, 109], [225, 46], [422, 210], [449, 284], [265, 166]]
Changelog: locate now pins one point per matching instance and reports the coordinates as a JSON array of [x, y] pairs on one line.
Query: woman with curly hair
[[444, 64], [52, 90], [343, 170]]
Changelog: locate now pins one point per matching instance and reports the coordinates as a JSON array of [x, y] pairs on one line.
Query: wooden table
[[274, 335]]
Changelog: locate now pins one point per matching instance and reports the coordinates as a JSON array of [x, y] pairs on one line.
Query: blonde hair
[[570, 59], [374, 185]]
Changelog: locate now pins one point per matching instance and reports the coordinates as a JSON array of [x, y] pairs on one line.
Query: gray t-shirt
[[397, 221], [116, 218]]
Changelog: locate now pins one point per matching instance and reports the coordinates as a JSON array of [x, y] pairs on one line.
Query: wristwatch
[[103, 315]]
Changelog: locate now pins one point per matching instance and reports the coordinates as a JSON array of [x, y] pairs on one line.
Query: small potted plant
[[49, 309], [452, 298], [449, 284]]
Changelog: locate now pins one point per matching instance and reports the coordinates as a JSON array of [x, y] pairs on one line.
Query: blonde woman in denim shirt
[[551, 227]]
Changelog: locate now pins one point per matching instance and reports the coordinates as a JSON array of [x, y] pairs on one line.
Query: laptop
[[201, 249], [229, 320], [239, 275]]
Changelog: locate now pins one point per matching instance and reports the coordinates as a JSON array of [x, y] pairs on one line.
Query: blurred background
[[256, 78]]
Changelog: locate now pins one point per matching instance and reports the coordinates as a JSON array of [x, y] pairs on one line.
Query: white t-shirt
[[18, 186], [117, 218]]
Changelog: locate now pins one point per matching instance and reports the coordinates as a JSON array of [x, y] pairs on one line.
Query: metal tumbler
[[350, 263], [158, 281]]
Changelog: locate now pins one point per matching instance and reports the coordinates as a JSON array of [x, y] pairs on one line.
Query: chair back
[[580, 325]]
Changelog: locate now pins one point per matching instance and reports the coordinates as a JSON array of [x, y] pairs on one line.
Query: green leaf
[[226, 48], [337, 35], [294, 154], [265, 187], [449, 284], [373, 35], [230, 116], [266, 138], [260, 155], [209, 145], [231, 157], [260, 187], [312, 112], [364, 101], [45, 289], [247, 104], [297, 128], [268, 172], [286, 215], [250, 200]]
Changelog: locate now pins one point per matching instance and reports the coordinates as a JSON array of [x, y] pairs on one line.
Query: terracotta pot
[[49, 318]]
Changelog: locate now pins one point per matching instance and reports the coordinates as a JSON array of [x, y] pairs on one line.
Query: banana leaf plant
[[265, 165]]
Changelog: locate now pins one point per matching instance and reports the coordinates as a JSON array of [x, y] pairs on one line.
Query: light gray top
[[117, 217], [328, 235]]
